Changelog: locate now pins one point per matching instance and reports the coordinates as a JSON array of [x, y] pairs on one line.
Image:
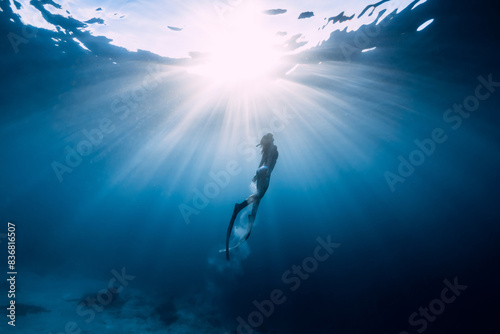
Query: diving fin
[[237, 209], [251, 220]]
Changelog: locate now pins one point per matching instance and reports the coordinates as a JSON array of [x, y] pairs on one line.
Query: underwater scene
[[249, 166]]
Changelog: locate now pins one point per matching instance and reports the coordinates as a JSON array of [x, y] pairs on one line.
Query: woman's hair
[[266, 142]]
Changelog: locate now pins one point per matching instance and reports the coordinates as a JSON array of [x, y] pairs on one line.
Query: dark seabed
[[120, 170]]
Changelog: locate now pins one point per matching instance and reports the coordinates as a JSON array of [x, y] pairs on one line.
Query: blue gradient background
[[122, 210]]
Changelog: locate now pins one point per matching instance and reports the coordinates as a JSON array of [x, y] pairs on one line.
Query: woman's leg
[[255, 207], [251, 217], [262, 184], [237, 209]]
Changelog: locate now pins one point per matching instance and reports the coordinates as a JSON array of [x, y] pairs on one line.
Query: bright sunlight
[[240, 49]]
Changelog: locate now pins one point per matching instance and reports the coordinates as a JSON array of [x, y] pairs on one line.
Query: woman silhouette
[[261, 178]]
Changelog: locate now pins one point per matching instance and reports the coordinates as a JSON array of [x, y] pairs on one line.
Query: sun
[[239, 49]]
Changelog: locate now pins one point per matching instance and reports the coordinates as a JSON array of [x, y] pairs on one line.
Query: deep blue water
[[349, 121]]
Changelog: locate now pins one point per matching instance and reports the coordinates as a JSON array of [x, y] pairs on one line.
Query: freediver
[[261, 178]]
